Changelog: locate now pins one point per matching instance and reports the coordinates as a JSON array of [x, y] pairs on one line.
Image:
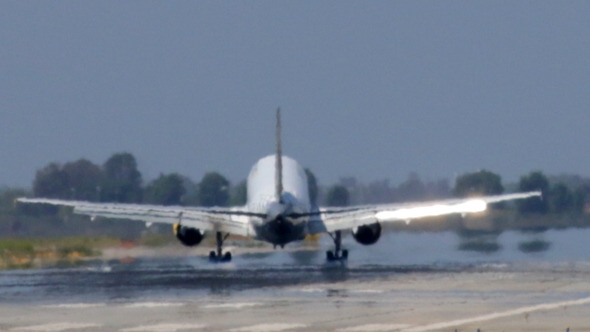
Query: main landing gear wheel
[[331, 257], [219, 256], [338, 254]]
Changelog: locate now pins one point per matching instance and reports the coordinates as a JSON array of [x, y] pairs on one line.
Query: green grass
[[157, 240], [24, 253], [26, 246]]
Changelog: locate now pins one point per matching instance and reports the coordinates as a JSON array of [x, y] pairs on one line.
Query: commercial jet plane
[[279, 211]]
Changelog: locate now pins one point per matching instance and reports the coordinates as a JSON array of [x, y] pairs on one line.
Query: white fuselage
[[262, 198]]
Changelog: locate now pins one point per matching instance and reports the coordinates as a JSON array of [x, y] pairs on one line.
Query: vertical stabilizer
[[278, 160]]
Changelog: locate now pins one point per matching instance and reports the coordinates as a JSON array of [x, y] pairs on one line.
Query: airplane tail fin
[[278, 160]]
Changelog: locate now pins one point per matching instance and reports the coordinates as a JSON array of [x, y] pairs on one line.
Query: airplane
[[278, 211]]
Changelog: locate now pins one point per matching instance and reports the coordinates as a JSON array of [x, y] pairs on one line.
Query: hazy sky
[[367, 89]]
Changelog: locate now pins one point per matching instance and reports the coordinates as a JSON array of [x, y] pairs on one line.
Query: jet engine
[[187, 235], [367, 234]]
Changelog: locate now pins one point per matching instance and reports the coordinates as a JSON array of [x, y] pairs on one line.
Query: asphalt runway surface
[[406, 282]]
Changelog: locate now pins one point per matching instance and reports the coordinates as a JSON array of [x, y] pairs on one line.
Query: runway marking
[[75, 305], [312, 290], [374, 328], [153, 304], [231, 305], [514, 312], [367, 291], [57, 327], [165, 327], [357, 291], [268, 328]]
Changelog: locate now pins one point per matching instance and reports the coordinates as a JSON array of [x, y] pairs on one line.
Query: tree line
[[560, 194], [119, 180], [565, 194]]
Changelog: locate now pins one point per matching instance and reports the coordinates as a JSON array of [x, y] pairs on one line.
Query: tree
[[338, 196], [438, 189], [412, 189], [122, 180], [312, 186], [479, 183], [77, 180], [561, 199], [191, 196], [580, 195], [213, 190], [51, 182], [534, 181], [7, 197], [378, 191], [356, 190], [84, 179], [239, 194], [165, 190]]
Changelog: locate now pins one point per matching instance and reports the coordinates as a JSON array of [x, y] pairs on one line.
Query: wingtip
[[19, 200]]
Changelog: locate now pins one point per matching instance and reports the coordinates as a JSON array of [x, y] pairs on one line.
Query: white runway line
[[165, 328], [366, 291], [374, 328], [312, 290], [514, 312], [57, 327], [153, 305], [354, 291], [231, 305], [74, 305], [268, 328]]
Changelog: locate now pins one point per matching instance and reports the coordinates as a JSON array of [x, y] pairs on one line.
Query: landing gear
[[338, 254], [219, 256]]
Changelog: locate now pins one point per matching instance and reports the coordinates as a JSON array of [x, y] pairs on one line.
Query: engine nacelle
[[367, 234], [187, 235]]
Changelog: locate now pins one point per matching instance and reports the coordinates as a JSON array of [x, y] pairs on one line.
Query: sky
[[370, 89]]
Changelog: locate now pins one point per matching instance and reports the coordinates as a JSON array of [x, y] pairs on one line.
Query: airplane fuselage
[[276, 228]]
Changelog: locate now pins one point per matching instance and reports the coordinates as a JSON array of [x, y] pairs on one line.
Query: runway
[[424, 284]]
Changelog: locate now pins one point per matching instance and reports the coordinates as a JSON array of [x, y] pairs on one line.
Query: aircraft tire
[[330, 256]]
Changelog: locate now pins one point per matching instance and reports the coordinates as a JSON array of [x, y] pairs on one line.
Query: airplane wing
[[228, 220], [340, 218]]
